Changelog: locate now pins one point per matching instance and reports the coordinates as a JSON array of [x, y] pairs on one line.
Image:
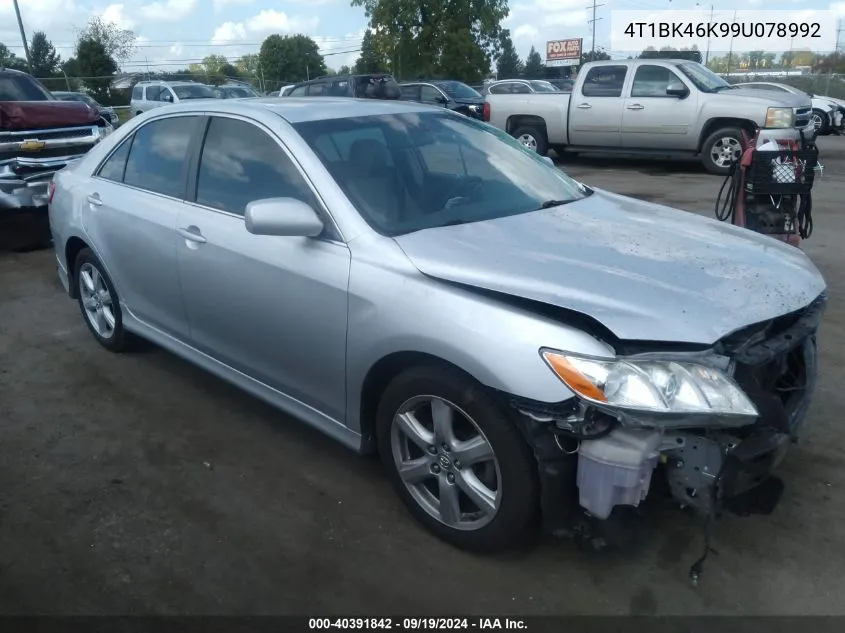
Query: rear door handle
[[94, 199], [636, 106], [584, 106], [192, 234]]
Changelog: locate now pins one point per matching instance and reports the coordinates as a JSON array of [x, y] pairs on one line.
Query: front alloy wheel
[[446, 462], [457, 458]]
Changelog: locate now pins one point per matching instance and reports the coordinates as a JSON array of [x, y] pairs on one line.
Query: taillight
[[486, 111], [52, 191]]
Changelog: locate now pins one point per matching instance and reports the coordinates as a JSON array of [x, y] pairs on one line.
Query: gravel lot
[[138, 484]]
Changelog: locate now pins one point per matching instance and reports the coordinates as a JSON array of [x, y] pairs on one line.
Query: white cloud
[[525, 31], [168, 11], [262, 24], [220, 4], [838, 8], [116, 13]]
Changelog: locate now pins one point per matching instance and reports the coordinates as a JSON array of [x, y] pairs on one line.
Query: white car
[[827, 114], [147, 95]]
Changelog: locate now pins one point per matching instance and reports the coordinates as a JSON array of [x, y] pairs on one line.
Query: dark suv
[[454, 95], [374, 86]]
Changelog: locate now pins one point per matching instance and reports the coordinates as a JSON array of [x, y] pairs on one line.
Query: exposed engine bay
[[597, 464]]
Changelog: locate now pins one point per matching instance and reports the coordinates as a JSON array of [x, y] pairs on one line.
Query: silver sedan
[[414, 282]]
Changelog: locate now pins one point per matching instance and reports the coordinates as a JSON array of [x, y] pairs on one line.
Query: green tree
[[371, 59], [290, 58], [42, 54], [509, 65], [210, 69], [118, 43], [594, 56], [95, 67], [248, 65], [344, 70], [436, 37], [534, 66], [9, 60]]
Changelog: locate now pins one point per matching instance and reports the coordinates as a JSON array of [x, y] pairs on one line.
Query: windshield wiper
[[548, 204]]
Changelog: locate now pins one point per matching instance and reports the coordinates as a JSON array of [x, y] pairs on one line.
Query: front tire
[[720, 149], [456, 459], [821, 122], [99, 302]]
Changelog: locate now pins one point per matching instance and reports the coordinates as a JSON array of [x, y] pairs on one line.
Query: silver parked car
[[416, 282]]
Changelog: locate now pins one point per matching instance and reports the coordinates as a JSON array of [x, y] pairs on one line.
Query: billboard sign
[[563, 52]]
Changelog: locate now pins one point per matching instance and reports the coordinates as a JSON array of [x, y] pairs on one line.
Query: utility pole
[[838, 34], [594, 6], [23, 36], [707, 56], [731, 49]]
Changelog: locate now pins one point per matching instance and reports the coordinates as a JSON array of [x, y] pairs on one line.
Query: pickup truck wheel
[[534, 138], [821, 122], [456, 459], [721, 148]]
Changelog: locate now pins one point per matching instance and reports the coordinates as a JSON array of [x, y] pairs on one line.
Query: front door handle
[[636, 106], [192, 234], [584, 106], [94, 199]]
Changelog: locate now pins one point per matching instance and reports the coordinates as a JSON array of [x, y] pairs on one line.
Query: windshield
[[15, 87], [703, 78], [458, 90], [413, 171], [237, 92], [543, 86], [194, 92]]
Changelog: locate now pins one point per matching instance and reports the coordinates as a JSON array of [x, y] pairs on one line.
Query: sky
[[174, 33]]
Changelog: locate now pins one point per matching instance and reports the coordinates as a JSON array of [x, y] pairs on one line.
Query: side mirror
[[167, 97], [282, 217], [677, 89], [442, 100]]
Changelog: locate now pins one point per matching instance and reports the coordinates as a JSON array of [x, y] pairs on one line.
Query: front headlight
[[658, 386], [780, 117]]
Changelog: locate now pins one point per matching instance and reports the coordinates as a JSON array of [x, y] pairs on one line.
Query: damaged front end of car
[[712, 423]]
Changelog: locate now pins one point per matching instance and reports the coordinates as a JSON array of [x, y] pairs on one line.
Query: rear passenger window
[[159, 154], [115, 164], [241, 163], [500, 89], [317, 90], [520, 89], [138, 93], [297, 92], [604, 81]]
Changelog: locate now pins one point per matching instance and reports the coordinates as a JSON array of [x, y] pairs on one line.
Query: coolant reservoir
[[616, 469]]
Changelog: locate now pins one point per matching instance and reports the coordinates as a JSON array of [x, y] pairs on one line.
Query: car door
[[652, 119], [134, 199], [274, 308], [431, 95], [595, 110], [409, 92]]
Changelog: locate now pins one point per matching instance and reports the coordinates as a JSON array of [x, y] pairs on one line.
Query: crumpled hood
[[645, 271], [31, 115]]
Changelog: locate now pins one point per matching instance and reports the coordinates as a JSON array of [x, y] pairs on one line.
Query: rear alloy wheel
[[722, 148], [534, 138], [457, 461], [821, 122], [99, 303]]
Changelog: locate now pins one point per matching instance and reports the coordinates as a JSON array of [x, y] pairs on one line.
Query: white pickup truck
[[659, 107]]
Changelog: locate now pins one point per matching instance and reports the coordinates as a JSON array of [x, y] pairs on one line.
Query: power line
[[206, 43]]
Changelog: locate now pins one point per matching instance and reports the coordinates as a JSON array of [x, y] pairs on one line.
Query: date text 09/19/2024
[[416, 624]]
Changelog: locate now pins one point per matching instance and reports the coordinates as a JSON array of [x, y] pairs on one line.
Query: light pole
[[23, 36]]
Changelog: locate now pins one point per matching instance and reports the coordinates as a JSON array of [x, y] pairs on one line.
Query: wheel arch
[[73, 247], [379, 376], [518, 120], [714, 124]]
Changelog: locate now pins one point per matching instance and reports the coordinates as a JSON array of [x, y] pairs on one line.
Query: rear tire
[[533, 137], [429, 419], [719, 148], [99, 303]]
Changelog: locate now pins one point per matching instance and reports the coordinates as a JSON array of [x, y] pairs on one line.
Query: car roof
[[303, 109]]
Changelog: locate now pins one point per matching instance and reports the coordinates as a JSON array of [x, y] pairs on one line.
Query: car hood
[[27, 115], [470, 101], [772, 97], [646, 272]]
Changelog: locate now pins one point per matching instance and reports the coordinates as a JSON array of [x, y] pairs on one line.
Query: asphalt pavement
[[137, 484]]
